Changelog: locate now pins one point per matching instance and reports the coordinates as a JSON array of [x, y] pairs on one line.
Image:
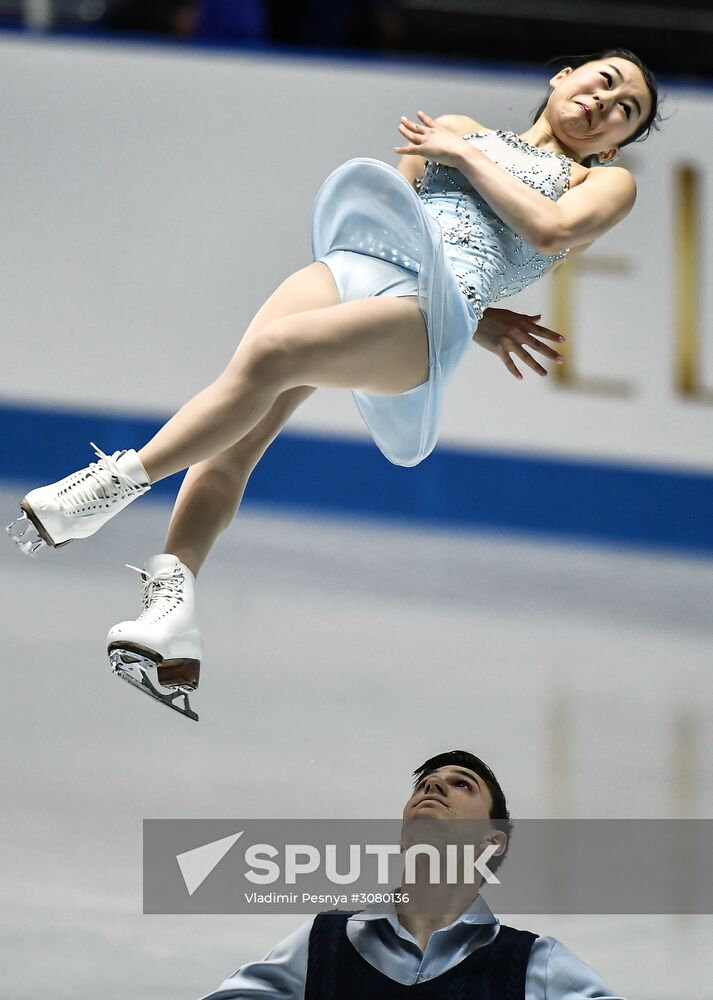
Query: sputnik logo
[[197, 864], [303, 860]]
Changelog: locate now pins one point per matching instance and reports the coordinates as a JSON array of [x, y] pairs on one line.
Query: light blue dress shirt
[[553, 972]]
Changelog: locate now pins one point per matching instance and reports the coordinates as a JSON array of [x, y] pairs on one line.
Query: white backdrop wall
[[153, 197]]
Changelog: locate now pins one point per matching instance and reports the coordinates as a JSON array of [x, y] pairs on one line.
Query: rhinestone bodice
[[491, 261]]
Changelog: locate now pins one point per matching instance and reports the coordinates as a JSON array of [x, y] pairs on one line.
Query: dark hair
[[463, 758], [652, 122]]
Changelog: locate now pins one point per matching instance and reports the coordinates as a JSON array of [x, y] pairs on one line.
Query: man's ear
[[609, 155], [558, 77], [499, 839]]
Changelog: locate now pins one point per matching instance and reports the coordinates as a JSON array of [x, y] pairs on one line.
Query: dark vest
[[336, 970]]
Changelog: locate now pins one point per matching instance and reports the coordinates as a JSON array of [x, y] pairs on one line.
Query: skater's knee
[[271, 357]]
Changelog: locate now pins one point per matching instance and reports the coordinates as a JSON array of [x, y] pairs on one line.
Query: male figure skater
[[463, 951]]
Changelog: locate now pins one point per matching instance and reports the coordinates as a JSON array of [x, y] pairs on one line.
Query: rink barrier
[[564, 498]]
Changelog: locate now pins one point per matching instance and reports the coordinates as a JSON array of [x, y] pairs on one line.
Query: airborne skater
[[408, 264]]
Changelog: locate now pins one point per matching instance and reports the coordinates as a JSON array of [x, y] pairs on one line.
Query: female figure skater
[[406, 263]]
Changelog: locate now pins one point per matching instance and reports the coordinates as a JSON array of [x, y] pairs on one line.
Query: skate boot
[[79, 504], [160, 651]]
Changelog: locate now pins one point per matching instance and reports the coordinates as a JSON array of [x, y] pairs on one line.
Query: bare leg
[[212, 490], [377, 344]]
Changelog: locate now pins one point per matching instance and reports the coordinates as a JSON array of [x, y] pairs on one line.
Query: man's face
[[451, 792]]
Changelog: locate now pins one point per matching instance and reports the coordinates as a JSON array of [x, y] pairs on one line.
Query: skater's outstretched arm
[[282, 973]]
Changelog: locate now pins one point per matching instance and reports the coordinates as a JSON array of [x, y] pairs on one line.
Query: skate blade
[[25, 535], [134, 669]]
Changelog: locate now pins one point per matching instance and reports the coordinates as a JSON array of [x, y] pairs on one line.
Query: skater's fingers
[[414, 126], [414, 132], [405, 131], [535, 345], [543, 331], [411, 134], [428, 121], [528, 359], [508, 361]]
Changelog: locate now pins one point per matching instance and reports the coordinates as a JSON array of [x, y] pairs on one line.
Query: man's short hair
[[463, 758]]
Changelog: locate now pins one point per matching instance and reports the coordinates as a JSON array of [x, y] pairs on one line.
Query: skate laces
[[102, 480], [166, 585]]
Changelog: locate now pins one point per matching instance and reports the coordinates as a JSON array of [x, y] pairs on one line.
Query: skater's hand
[[504, 333], [431, 140]]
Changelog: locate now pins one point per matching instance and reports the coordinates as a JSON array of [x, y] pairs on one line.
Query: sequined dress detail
[[465, 257]]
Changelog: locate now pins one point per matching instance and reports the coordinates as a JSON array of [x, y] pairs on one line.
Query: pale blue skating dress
[[463, 255]]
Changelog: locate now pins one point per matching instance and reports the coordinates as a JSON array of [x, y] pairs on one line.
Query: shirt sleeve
[[554, 973], [281, 975]]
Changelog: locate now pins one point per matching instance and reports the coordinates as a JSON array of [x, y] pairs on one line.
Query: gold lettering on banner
[[562, 285], [687, 285]]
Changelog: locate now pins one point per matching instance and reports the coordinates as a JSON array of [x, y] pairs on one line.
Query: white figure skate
[[79, 504], [160, 651]]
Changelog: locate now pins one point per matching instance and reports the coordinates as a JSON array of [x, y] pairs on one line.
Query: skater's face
[[598, 106], [452, 792]]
